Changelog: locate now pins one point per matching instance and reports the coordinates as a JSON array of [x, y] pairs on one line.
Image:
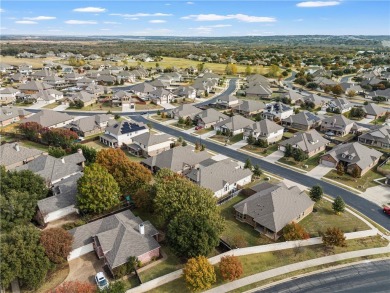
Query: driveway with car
[[85, 268]]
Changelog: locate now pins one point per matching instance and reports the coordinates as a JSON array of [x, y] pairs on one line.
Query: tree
[[25, 257], [337, 90], [230, 267], [356, 173], [30, 130], [248, 70], [57, 243], [288, 151], [143, 199], [312, 85], [202, 147], [357, 112], [273, 71], [75, 287], [181, 120], [338, 205], [316, 193], [351, 93], [340, 169], [59, 137], [56, 152], [191, 235], [250, 139], [257, 171], [89, 153], [130, 176], [294, 231], [299, 155], [97, 190], [200, 67], [334, 237], [184, 143], [248, 164], [199, 274], [262, 143]]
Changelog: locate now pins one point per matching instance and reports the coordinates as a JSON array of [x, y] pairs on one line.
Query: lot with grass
[[345, 138], [378, 121], [259, 150], [35, 63], [158, 118], [51, 106], [225, 139], [203, 131], [324, 217], [256, 263], [183, 126], [362, 183], [97, 107], [310, 162]]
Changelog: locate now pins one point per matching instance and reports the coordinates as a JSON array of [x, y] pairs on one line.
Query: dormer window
[[343, 155]]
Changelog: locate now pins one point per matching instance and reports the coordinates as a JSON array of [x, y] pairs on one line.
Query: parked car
[[386, 210], [101, 281], [198, 127]]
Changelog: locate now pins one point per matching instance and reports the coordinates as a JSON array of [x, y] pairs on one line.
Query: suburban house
[[185, 111], [323, 81], [149, 144], [379, 137], [317, 100], [258, 90], [34, 87], [54, 169], [8, 95], [340, 105], [233, 125], [380, 93], [13, 155], [178, 159], [373, 111], [116, 238], [227, 101], [122, 97], [249, 107], [143, 90], [50, 118], [277, 110], [265, 130], [186, 92], [338, 125], [61, 203], [311, 142], [294, 96], [9, 115], [221, 177], [209, 117], [271, 209], [121, 133], [85, 97], [304, 120], [350, 88], [352, 155], [90, 125], [160, 96], [48, 96]]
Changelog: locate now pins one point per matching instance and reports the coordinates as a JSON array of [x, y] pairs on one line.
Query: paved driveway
[[378, 194], [319, 171], [238, 145], [38, 105], [275, 156], [85, 268]]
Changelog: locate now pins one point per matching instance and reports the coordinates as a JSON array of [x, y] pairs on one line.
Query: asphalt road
[[364, 206], [365, 277]]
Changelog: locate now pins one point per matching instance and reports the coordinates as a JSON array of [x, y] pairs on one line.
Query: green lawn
[[183, 126], [362, 183], [51, 106], [35, 145], [344, 138], [310, 162], [203, 130], [158, 118], [325, 217], [259, 150], [97, 107], [287, 135], [97, 145], [234, 228], [256, 263], [230, 140], [380, 120]]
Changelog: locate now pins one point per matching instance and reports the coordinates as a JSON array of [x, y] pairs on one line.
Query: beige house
[[149, 144]]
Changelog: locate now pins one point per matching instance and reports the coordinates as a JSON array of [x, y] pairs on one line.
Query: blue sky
[[195, 18]]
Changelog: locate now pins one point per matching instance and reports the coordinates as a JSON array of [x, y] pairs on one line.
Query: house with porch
[[149, 144], [50, 118], [271, 209], [90, 125], [304, 120], [340, 105], [373, 111], [352, 155], [249, 108], [115, 238], [8, 95], [338, 125], [187, 92], [161, 96], [185, 111], [265, 130], [121, 133], [9, 115]]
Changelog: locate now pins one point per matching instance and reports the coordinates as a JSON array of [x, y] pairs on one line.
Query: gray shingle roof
[[250, 106], [186, 110], [306, 141], [89, 123], [275, 207], [35, 86], [211, 115], [11, 112], [235, 123], [373, 109], [124, 127], [265, 126], [9, 154], [148, 139], [303, 118], [381, 134], [48, 118], [338, 120], [118, 236]]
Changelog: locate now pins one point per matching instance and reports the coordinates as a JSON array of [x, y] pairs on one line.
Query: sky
[[195, 18]]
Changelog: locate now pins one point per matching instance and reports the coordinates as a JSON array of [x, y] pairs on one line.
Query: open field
[[35, 63]]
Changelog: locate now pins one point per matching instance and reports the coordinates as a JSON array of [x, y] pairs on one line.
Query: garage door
[[282, 148], [60, 214], [327, 163], [80, 251]]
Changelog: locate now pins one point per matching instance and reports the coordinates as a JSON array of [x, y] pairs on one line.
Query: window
[[241, 216]]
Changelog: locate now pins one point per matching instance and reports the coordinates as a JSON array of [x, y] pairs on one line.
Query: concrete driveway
[[319, 171], [38, 105], [275, 156], [85, 268], [378, 194]]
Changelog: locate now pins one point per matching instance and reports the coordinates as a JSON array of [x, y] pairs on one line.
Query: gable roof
[[48, 118], [89, 123], [211, 115], [293, 95], [306, 141], [265, 126], [276, 206], [373, 109], [381, 134], [303, 118], [339, 120], [143, 88], [186, 110], [124, 127], [234, 123], [149, 139], [8, 112], [35, 86], [9, 153], [118, 236], [250, 106]]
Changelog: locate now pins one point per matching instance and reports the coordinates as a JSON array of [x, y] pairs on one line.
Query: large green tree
[[97, 190], [23, 257]]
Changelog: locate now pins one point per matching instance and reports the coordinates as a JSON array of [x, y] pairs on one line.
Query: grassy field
[[362, 183], [310, 162], [223, 138], [256, 263], [97, 107], [35, 63], [51, 106], [158, 118], [35, 145], [259, 150], [325, 217]]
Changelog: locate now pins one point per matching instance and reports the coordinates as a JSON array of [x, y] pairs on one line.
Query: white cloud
[[89, 9], [3, 28], [105, 29], [111, 22], [72, 21], [310, 4], [190, 3], [40, 18], [157, 21], [54, 30], [208, 29], [1, 10], [132, 18], [239, 17], [141, 14], [299, 19], [220, 25], [25, 22]]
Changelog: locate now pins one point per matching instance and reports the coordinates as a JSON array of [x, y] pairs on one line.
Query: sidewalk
[[296, 267]]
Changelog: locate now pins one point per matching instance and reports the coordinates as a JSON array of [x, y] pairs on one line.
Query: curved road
[[364, 277]]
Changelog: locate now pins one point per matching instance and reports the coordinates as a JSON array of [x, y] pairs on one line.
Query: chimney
[[141, 228], [63, 160], [80, 151], [17, 148]]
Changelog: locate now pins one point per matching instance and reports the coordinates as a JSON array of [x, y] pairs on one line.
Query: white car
[[101, 281]]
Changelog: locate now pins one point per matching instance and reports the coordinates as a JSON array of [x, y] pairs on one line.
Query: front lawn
[[158, 118], [51, 106], [310, 162], [324, 217], [379, 121], [227, 139], [344, 138], [259, 150], [183, 126], [203, 131], [362, 183]]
